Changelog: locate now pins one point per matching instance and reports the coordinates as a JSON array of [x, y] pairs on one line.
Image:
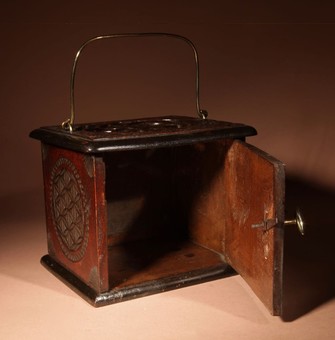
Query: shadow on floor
[[309, 261]]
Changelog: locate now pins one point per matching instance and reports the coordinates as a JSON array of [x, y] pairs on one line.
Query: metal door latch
[[269, 223], [266, 224]]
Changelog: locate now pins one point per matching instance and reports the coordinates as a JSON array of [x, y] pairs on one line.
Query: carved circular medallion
[[69, 209]]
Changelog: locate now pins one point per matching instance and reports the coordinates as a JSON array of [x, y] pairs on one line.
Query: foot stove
[[136, 207]]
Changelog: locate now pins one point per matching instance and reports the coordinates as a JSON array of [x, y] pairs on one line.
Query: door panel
[[254, 217]]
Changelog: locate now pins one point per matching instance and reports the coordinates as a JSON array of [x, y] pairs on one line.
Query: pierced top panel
[[140, 133], [129, 127]]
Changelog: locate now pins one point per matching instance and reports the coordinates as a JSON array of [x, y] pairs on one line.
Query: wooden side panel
[[254, 187], [140, 195], [201, 193], [74, 186]]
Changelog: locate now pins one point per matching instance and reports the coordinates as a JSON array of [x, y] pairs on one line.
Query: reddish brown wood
[[74, 198], [140, 194], [163, 218], [138, 262], [101, 223], [201, 191], [254, 186]]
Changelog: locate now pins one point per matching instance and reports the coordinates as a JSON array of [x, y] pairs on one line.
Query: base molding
[[134, 291]]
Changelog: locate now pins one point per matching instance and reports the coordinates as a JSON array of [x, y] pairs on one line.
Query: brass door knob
[[298, 221]]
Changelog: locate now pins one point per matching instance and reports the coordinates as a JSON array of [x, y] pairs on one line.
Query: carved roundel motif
[[69, 209]]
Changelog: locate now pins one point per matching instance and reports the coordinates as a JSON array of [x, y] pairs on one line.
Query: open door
[[254, 220]]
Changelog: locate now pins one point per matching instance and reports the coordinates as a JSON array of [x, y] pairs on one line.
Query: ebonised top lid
[[141, 133]]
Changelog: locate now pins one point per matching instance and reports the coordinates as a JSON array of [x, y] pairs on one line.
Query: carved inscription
[[70, 209]]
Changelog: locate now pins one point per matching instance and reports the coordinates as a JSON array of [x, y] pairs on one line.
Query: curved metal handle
[[69, 122]]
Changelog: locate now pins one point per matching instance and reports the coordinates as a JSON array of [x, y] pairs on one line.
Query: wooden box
[[136, 207]]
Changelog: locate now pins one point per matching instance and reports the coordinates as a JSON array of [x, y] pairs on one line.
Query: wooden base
[[169, 266]]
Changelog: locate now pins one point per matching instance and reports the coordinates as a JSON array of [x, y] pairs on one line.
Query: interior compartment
[[165, 212]]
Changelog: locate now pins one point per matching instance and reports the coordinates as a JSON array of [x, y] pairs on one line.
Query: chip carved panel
[[70, 209]]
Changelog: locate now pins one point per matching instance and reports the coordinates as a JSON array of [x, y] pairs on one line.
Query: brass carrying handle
[[68, 124]]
